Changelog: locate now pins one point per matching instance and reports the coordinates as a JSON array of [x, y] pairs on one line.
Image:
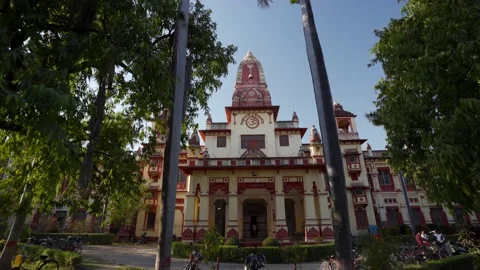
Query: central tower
[[250, 86]]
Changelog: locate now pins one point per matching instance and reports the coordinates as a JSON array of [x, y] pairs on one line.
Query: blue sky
[[275, 37]]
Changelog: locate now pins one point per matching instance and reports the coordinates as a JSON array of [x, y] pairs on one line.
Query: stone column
[[232, 222], [382, 211], [369, 208], [189, 226], [326, 225], [312, 229], [311, 221], [202, 225], [281, 229]]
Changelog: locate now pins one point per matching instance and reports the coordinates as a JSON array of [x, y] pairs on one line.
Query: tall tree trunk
[[16, 231], [331, 145], [96, 122], [172, 148]]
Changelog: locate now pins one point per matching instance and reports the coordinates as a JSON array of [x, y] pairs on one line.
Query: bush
[[64, 258], [377, 253], [463, 261], [273, 254], [232, 241], [296, 236], [87, 238], [26, 232], [270, 242]]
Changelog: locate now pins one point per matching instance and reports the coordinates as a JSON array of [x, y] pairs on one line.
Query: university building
[[253, 177], [253, 171]]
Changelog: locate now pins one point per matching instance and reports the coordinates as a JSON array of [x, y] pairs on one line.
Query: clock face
[[252, 122]]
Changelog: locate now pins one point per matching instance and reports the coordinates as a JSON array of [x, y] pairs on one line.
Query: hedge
[[410, 239], [87, 238], [458, 262], [64, 258], [236, 254]]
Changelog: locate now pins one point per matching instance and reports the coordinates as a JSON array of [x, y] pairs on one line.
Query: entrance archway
[[290, 215], [255, 219], [220, 214]]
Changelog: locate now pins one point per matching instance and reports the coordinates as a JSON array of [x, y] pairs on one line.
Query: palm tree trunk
[[15, 232], [172, 148], [331, 145]]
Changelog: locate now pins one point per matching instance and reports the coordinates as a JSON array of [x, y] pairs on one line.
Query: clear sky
[[275, 37]]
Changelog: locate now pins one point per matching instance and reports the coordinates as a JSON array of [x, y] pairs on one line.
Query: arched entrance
[[220, 210], [255, 219], [290, 215]]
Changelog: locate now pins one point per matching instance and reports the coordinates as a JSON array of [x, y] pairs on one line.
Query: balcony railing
[[379, 154], [354, 167], [348, 136], [285, 124], [252, 162], [218, 126]]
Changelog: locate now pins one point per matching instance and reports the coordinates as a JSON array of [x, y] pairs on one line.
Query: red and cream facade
[[254, 170]]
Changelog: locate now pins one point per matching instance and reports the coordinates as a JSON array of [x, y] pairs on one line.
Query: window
[[359, 192], [459, 216], [393, 217], [61, 217], [384, 178], [362, 219], [150, 221], [253, 141], [436, 214], [221, 141], [80, 216], [182, 178], [283, 140], [416, 215], [353, 159]]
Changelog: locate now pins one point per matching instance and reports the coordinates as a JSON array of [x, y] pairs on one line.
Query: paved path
[[144, 256]]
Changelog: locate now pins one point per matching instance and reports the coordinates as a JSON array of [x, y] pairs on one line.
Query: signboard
[[373, 229]]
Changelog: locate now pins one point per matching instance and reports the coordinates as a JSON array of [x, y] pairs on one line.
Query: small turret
[[369, 149], [194, 140], [315, 136], [209, 118], [194, 146], [294, 117], [205, 153]]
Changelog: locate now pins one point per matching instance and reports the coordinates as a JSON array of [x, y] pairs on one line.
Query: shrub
[[318, 240], [377, 253], [183, 250], [64, 258], [296, 254], [232, 241], [87, 238], [213, 242], [274, 254], [296, 236], [463, 261], [26, 232], [470, 237], [270, 242]]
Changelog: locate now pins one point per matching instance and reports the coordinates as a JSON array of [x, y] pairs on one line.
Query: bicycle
[[331, 263], [45, 263], [194, 260]]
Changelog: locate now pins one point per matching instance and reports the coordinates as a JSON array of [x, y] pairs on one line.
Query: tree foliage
[[213, 243], [80, 80], [429, 100]]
